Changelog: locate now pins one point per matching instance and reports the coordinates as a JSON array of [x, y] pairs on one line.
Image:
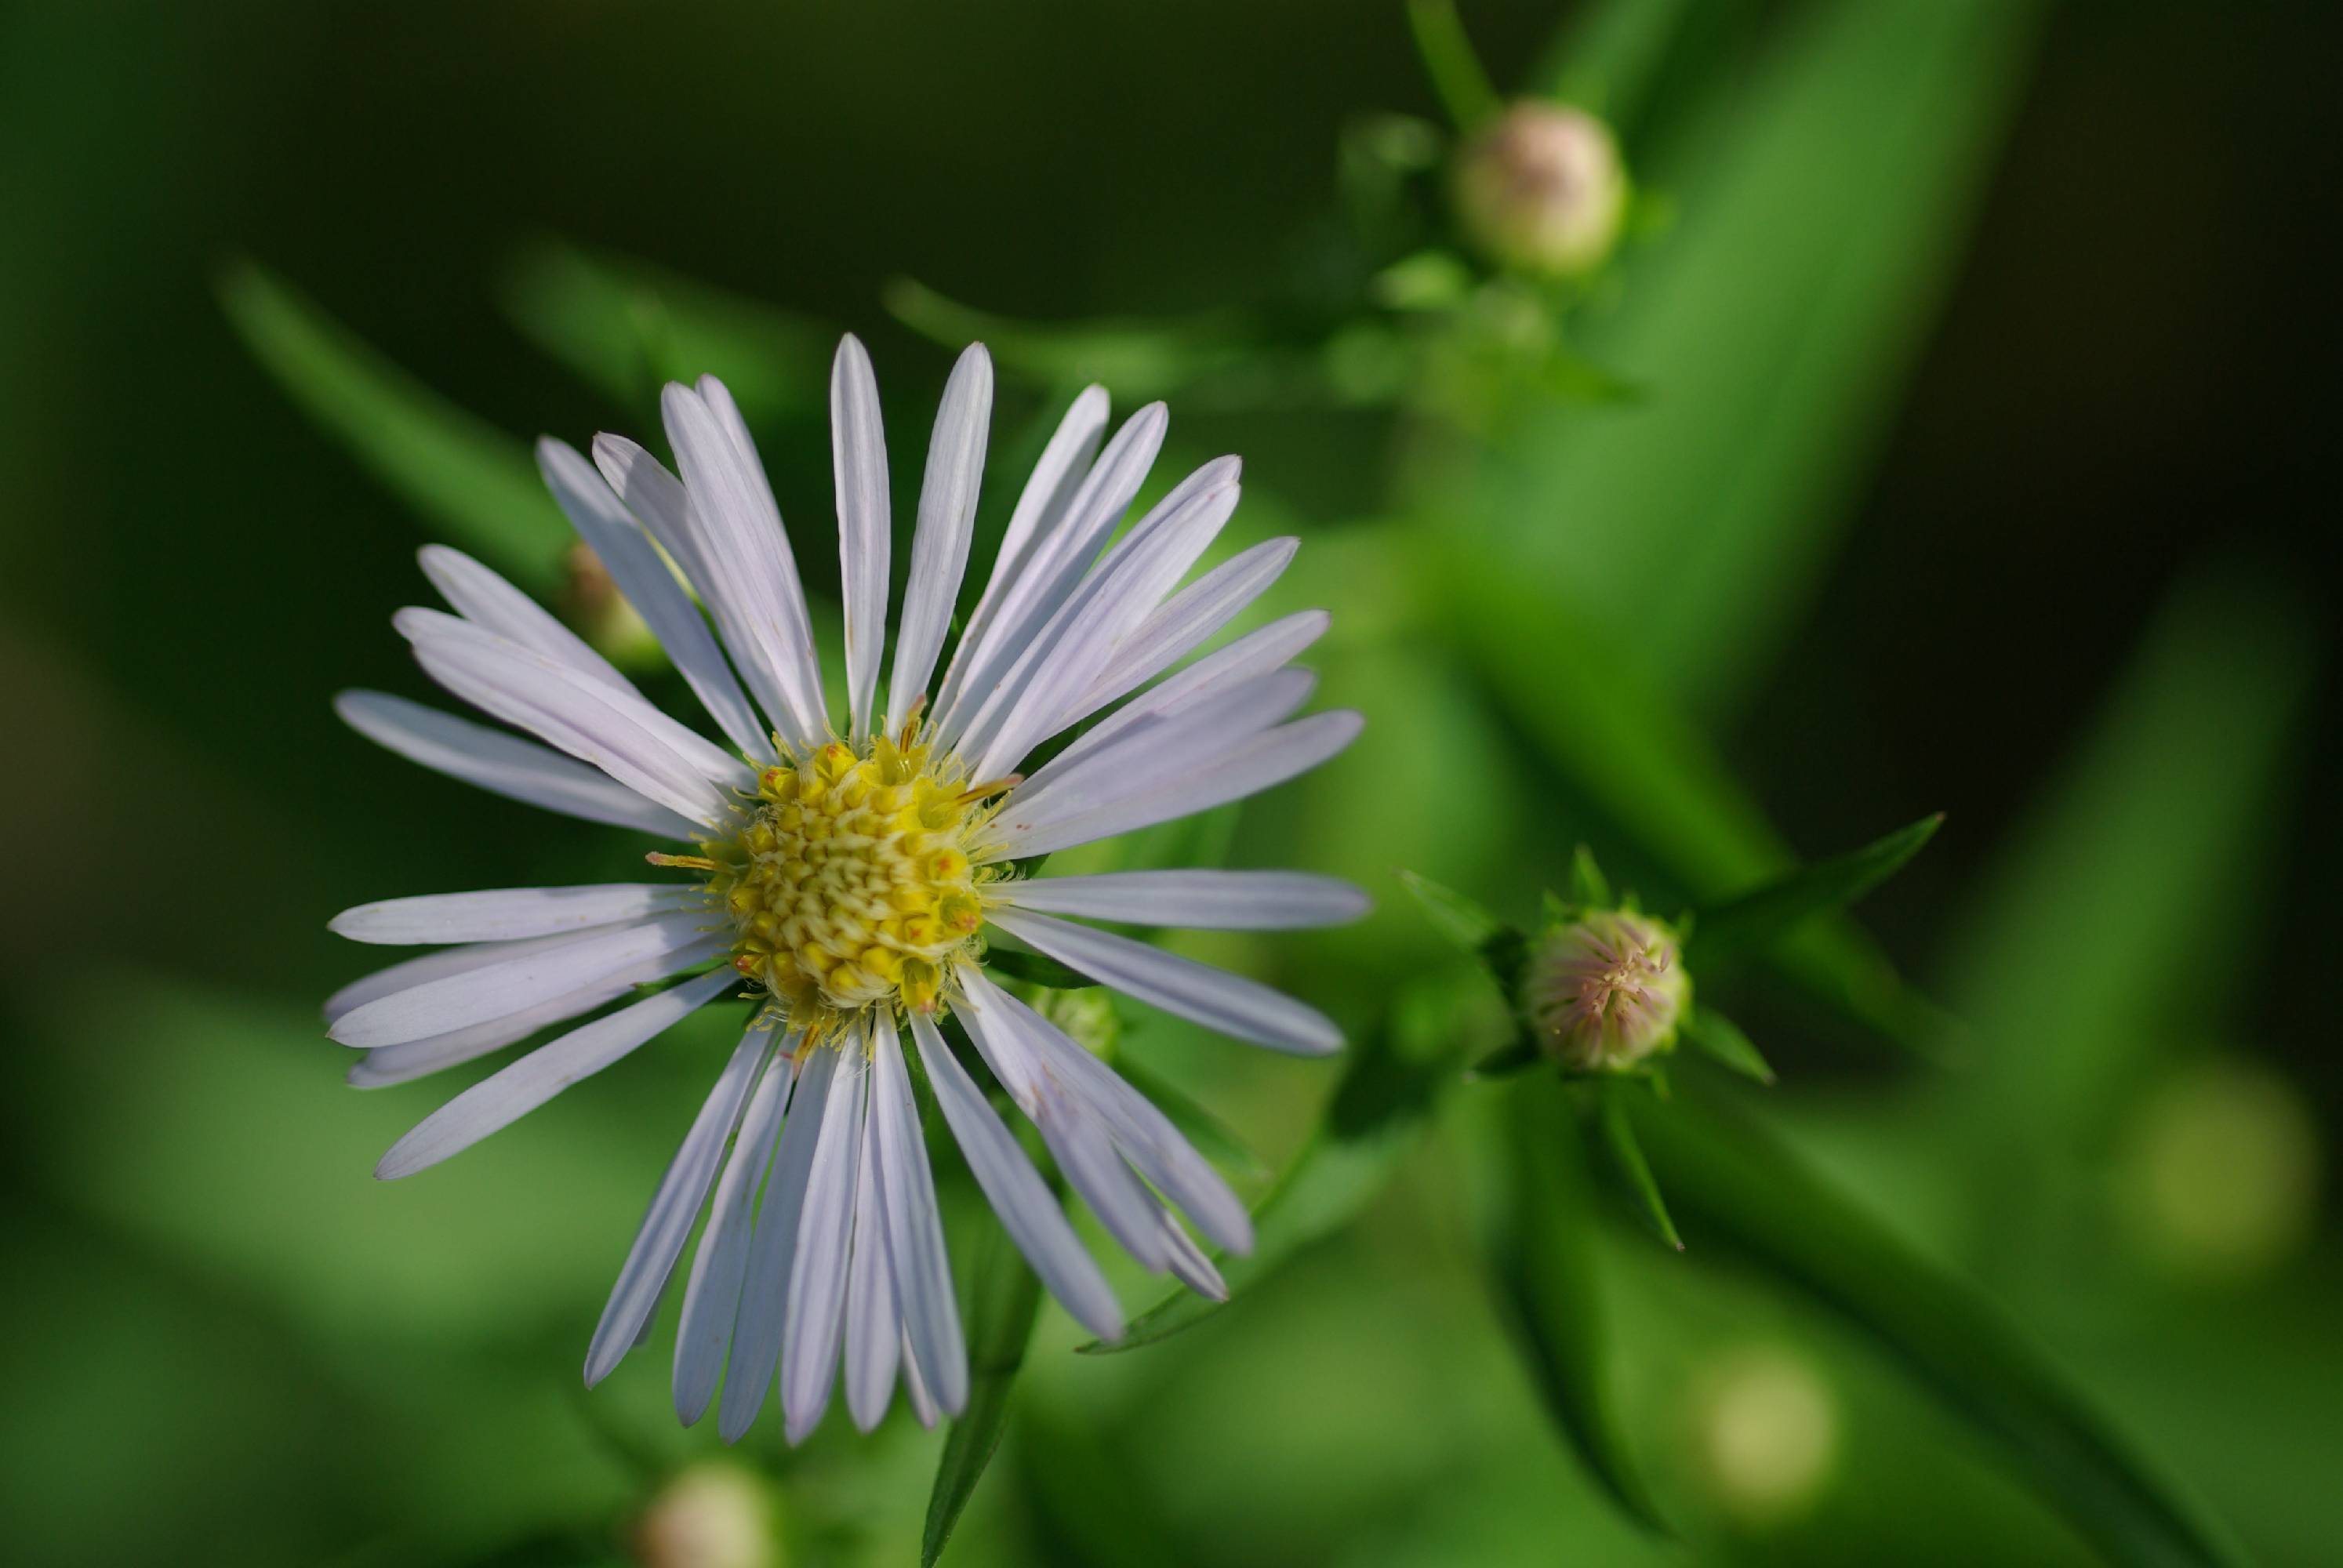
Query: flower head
[[851, 877], [1605, 990], [1541, 189]]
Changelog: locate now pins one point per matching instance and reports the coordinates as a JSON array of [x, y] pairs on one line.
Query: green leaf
[[1137, 359], [1519, 1057], [479, 485], [1538, 1230], [1458, 78], [1607, 60], [630, 327], [1617, 1136], [1725, 1174], [1722, 1040], [1035, 969], [1376, 1117], [1004, 1300], [1589, 889], [1763, 915]]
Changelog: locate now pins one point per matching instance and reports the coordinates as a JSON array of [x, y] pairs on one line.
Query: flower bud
[[1604, 990], [1087, 1016], [1542, 190], [710, 1516]]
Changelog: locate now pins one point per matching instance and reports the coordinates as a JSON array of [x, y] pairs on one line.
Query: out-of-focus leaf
[[1377, 1116], [1457, 76], [1135, 359], [1763, 916], [1721, 1039], [1538, 1227], [1213, 1137], [1519, 1057], [2108, 915], [1755, 1194], [628, 327], [1036, 969], [476, 482], [1822, 194], [1607, 59], [1004, 1300], [1625, 1155]]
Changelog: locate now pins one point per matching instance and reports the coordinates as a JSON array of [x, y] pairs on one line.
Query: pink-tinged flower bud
[[710, 1516], [1606, 990], [1542, 190]]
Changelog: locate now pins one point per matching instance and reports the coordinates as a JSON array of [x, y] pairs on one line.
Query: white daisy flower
[[851, 876]]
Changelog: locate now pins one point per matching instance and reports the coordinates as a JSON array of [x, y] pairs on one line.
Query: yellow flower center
[[851, 885]]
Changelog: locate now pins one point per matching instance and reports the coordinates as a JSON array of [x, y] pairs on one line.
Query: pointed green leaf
[[1763, 916], [1458, 78], [1538, 1228], [463, 476], [1589, 889], [1617, 1138], [1725, 1174], [1137, 359], [1004, 1300], [1721, 1039]]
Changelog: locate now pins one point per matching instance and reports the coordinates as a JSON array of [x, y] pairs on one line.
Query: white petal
[[415, 1058], [1235, 1006], [1042, 506], [505, 914], [497, 1102], [1072, 652], [520, 978], [859, 465], [674, 1207], [752, 572], [492, 604], [711, 1295], [1028, 1210], [874, 1327], [1189, 1264], [915, 1232], [1184, 622], [1267, 758], [645, 580], [1077, 1138], [1055, 563], [1143, 1134], [415, 972], [915, 1387], [1209, 901], [504, 764], [1249, 658], [626, 737], [947, 519], [817, 1302], [1156, 754], [764, 1297]]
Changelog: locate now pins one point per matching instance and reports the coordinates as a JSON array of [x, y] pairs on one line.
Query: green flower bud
[[1603, 990], [1542, 190]]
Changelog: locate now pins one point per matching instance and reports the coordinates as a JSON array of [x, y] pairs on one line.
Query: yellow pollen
[[850, 885]]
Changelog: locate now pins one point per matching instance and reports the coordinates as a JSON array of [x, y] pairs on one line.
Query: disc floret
[[852, 883]]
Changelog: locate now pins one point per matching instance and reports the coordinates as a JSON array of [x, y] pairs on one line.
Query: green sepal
[[1615, 1135], [1754, 921], [1722, 1040], [1471, 927], [1589, 888]]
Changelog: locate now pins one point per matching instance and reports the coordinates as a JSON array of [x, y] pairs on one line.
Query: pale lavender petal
[[497, 1101], [506, 914], [1181, 624], [1220, 1001], [817, 1302], [917, 1258], [711, 1294], [504, 764], [874, 1327], [492, 604], [947, 519], [772, 1255], [1208, 900], [859, 465], [1249, 658]]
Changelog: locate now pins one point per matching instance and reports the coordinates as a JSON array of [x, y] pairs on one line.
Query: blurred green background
[[1951, 433]]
